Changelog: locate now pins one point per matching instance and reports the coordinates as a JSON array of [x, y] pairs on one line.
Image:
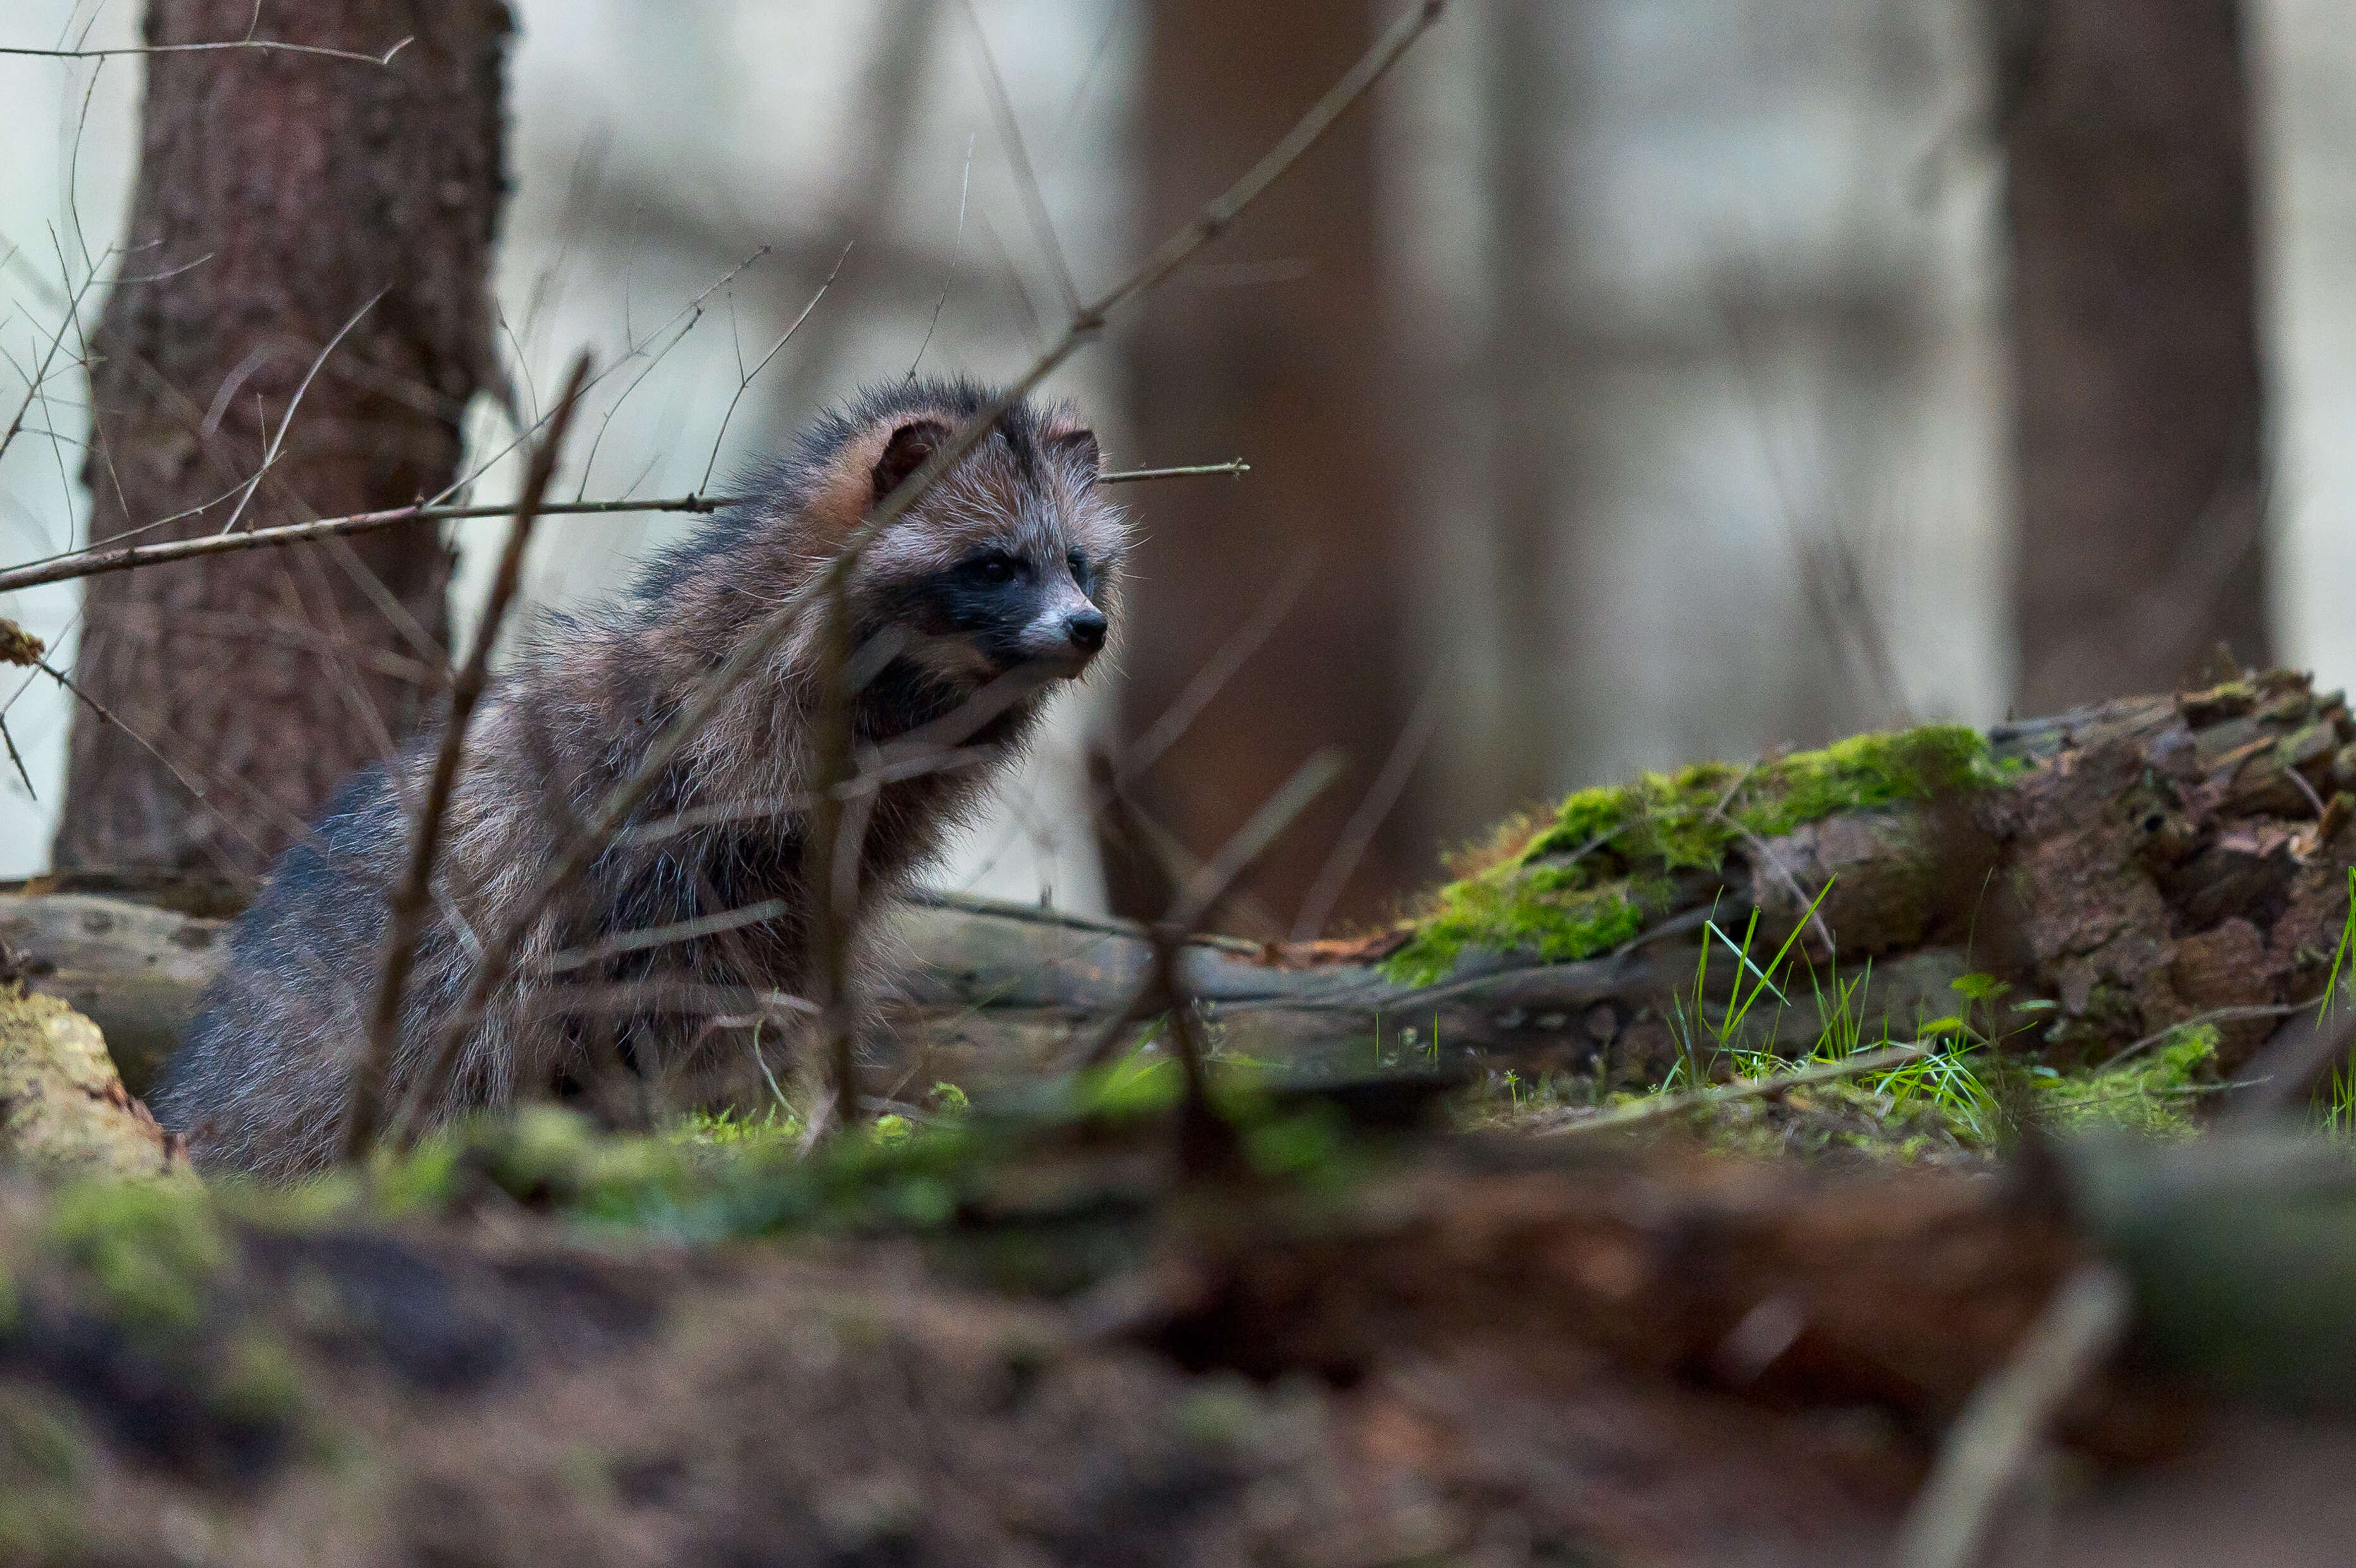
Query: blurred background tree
[[1651, 382], [284, 203], [2139, 422], [1264, 348]]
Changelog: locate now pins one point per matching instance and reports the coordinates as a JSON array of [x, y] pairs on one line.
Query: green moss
[[730, 1128], [40, 1524], [1217, 1412], [1591, 879], [1846, 1120], [543, 1157], [152, 1249], [684, 1183], [1309, 1145], [2153, 1096], [257, 1381], [1013, 1197], [41, 1438]]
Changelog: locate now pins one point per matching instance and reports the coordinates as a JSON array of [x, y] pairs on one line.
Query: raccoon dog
[[1000, 581]]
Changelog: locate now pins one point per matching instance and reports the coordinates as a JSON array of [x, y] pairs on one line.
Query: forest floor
[[1343, 1336]]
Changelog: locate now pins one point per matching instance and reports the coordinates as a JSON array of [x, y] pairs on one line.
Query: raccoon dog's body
[[999, 580]]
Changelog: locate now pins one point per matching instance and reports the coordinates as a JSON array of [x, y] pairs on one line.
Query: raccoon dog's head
[[1008, 563]]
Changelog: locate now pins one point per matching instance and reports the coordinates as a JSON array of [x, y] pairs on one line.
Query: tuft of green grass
[[1707, 1033], [1946, 1082], [2340, 954], [1941, 1106], [1938, 1106], [1592, 877], [2337, 1104], [1941, 1095]]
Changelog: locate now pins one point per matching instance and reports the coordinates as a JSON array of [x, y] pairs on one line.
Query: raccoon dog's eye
[[993, 569], [1079, 566]]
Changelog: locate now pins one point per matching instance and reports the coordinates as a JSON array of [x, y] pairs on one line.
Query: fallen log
[[2122, 870]]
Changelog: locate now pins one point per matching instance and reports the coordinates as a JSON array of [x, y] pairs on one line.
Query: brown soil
[[1465, 1353]]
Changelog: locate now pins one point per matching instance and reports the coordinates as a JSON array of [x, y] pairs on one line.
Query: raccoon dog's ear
[[1080, 447], [905, 453]]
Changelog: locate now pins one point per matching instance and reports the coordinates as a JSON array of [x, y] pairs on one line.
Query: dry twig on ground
[[1993, 1442]]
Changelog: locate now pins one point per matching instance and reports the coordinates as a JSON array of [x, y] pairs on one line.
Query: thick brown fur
[[1000, 580]]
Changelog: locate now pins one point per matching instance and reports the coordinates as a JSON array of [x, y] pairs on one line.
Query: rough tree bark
[[1272, 347], [281, 198], [2137, 398]]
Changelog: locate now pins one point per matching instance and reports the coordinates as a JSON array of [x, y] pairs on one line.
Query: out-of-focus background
[[1627, 383]]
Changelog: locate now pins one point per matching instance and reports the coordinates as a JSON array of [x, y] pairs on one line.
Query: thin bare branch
[[1762, 855], [2283, 1074], [664, 936], [654, 363], [18, 759], [34, 382], [956, 243], [1221, 667], [146, 624], [1087, 79], [2213, 1015], [1034, 201], [746, 379], [125, 558], [1370, 68], [694, 308], [624, 998], [262, 45], [278, 441], [1236, 466], [408, 905], [108, 716]]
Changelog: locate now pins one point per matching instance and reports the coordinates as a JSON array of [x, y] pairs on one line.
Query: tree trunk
[[2137, 410], [282, 199], [1271, 347], [1522, 372]]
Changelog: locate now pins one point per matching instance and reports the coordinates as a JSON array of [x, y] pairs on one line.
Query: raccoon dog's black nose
[[1087, 630]]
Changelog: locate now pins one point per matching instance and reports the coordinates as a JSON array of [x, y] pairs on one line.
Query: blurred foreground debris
[[1036, 1340]]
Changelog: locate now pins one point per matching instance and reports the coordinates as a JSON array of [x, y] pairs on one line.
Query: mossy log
[[2123, 868], [63, 1109]]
